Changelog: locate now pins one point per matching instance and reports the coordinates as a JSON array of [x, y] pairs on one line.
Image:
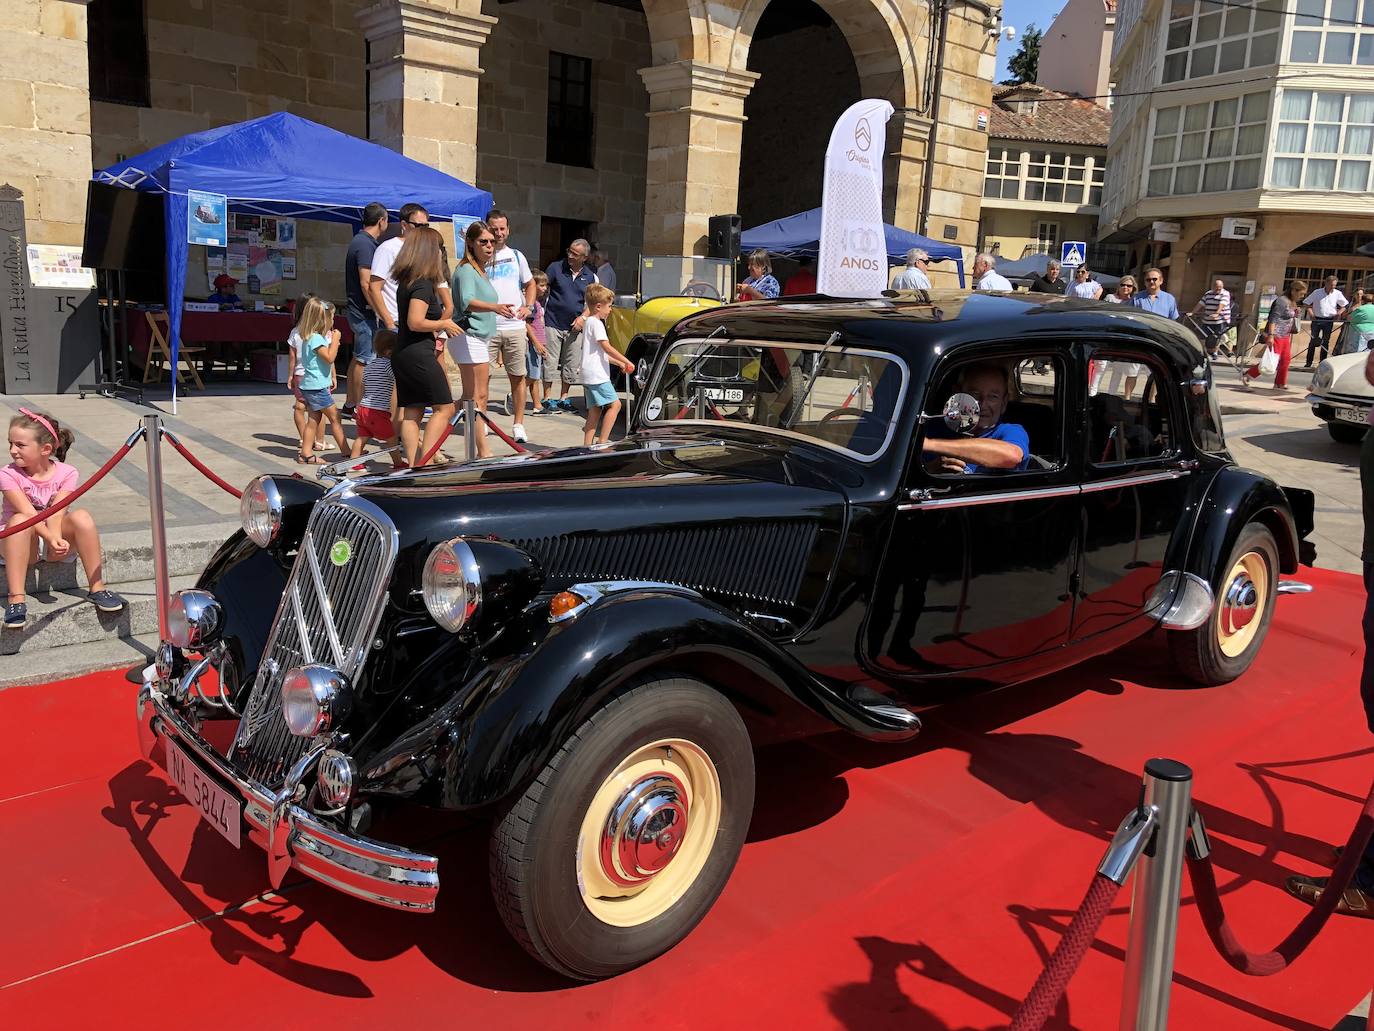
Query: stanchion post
[[1168, 791], [470, 429], [152, 441]]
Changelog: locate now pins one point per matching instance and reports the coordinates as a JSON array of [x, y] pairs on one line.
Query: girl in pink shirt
[[36, 479]]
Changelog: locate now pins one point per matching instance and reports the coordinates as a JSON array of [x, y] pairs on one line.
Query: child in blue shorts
[[603, 403]]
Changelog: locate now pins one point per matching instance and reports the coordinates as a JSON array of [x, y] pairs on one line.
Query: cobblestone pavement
[[242, 429]]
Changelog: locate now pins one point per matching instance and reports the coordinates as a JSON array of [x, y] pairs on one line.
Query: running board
[[1293, 587]]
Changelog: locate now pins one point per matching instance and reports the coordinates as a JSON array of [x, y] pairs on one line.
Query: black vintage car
[[829, 514]]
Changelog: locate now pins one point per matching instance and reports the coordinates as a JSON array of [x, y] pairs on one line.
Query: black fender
[[248, 582], [1234, 498], [518, 718]]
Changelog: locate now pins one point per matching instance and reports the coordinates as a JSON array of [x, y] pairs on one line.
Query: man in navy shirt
[[564, 313], [995, 445], [1155, 298], [357, 282]]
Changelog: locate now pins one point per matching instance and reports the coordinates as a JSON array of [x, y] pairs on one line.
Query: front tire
[[1345, 432], [625, 839], [1224, 647]]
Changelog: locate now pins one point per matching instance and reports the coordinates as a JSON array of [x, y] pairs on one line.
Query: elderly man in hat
[[224, 294]]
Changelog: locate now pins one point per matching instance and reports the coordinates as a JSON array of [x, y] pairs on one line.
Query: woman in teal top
[[1360, 320], [476, 302]]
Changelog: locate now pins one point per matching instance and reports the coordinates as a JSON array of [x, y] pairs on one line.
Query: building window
[[1003, 177], [1325, 141], [1206, 38], [1210, 147], [1347, 277], [117, 51], [1333, 32], [1047, 238], [570, 111], [1058, 178], [1099, 177]]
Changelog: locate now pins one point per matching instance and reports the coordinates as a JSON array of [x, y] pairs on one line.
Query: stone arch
[[882, 34], [678, 30]]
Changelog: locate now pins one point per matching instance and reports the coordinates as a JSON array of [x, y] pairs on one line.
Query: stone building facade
[[469, 87]]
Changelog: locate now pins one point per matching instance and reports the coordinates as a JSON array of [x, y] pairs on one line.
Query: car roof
[[912, 323]]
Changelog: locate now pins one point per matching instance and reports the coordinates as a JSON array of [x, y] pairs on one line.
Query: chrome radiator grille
[[329, 613]]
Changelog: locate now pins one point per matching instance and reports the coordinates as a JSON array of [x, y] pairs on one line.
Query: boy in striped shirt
[[375, 415]]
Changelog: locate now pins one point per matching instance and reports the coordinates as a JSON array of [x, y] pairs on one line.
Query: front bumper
[[291, 835], [1325, 406]]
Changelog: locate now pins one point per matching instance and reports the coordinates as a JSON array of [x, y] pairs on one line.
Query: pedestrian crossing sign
[[1073, 252]]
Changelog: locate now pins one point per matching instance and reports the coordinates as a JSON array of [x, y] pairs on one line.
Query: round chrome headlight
[[1325, 375], [452, 584], [260, 511], [194, 619], [314, 698], [335, 776]]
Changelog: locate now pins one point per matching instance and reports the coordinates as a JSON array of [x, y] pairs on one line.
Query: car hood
[[739, 521]]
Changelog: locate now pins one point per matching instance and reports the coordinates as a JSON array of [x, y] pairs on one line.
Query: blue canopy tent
[[288, 166], [799, 236]]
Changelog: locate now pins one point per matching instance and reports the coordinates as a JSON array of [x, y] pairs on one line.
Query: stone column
[[424, 71], [45, 114], [908, 136], [696, 121]]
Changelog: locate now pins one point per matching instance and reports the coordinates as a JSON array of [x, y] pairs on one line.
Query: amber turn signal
[[564, 602]]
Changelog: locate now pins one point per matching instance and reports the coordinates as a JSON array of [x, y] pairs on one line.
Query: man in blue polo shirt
[[994, 445], [564, 313], [1155, 298]]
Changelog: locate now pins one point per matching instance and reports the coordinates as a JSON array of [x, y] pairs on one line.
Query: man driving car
[[994, 444]]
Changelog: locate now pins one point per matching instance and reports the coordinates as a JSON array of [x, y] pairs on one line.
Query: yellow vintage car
[[670, 289]]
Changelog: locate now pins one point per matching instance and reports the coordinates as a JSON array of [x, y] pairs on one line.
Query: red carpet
[[910, 887]]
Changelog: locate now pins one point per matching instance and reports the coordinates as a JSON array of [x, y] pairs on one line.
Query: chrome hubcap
[[644, 830], [1240, 603]]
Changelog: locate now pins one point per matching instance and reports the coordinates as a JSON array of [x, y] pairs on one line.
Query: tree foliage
[[1024, 65]]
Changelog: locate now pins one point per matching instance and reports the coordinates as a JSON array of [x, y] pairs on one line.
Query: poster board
[[261, 253]]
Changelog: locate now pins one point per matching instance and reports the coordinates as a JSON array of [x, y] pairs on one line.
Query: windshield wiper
[[816, 371], [691, 368]]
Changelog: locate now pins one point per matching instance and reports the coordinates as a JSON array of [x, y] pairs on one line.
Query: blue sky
[[1022, 13]]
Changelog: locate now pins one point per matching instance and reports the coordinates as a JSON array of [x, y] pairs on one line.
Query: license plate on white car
[[1352, 415], [717, 394], [218, 807]]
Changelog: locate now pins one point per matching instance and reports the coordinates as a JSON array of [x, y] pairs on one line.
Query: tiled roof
[[1058, 117]]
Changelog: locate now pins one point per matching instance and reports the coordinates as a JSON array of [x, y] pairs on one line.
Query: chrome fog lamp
[[314, 698], [335, 776], [260, 511], [194, 619], [1325, 375], [452, 584]]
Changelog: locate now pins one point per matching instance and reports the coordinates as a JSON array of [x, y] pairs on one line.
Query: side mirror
[[642, 374], [961, 413]]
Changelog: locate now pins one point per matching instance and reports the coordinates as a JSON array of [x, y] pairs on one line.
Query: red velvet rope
[[1049, 987], [510, 442], [437, 445], [200, 466], [1263, 964], [99, 475]]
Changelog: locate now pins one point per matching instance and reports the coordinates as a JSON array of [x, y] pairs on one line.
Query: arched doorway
[[1211, 258], [807, 77], [1349, 256]]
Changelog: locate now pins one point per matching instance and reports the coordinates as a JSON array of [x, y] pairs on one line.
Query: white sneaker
[[518, 433]]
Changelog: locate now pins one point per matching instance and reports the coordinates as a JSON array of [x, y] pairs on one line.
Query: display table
[[226, 333]]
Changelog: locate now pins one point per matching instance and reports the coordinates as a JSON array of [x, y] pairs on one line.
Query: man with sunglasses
[[564, 315], [383, 292], [1155, 298]]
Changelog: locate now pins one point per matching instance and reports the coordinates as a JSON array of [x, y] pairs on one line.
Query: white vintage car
[[1341, 397]]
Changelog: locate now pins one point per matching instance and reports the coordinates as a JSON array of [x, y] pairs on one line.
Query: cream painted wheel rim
[[648, 832], [1241, 608]]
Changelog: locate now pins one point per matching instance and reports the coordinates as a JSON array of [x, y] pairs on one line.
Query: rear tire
[[663, 777], [1345, 432], [1224, 647]]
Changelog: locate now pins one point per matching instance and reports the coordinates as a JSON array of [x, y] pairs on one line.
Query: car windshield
[[710, 278], [838, 396]]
